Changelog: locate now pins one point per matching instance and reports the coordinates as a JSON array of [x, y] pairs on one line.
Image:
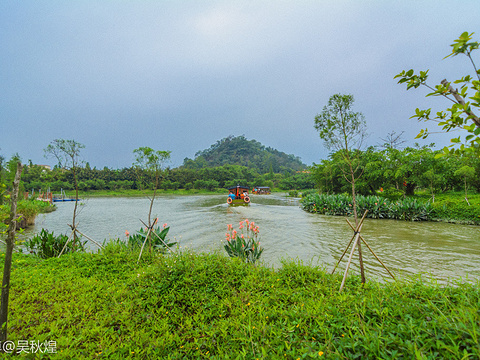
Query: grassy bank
[[139, 193], [450, 207], [29, 210], [160, 192], [188, 306]]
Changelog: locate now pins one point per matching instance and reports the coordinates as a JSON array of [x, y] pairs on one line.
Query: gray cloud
[[180, 75]]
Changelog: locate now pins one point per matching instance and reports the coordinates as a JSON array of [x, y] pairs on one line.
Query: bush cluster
[[378, 207]]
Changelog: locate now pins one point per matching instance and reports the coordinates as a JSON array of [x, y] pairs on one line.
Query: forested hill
[[240, 151]]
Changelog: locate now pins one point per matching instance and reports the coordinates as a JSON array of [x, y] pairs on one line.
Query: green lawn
[[195, 306]]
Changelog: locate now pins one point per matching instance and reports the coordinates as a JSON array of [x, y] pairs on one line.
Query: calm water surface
[[445, 251]]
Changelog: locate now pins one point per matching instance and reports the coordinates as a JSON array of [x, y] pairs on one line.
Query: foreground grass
[[188, 306]]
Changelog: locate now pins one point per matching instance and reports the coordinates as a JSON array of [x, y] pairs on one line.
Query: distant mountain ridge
[[237, 150]]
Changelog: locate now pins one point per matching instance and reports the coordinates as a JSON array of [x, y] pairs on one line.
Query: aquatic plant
[[244, 243], [46, 245], [378, 207], [158, 237]]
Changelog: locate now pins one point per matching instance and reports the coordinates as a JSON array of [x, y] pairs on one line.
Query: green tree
[[67, 153], [344, 130], [152, 162], [466, 173], [461, 115]]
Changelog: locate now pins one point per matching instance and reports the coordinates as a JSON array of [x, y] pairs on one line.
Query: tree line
[[36, 177], [392, 170]]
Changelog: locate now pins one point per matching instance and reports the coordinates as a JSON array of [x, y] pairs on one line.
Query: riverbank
[[209, 306], [160, 192], [141, 193], [447, 207], [29, 209]]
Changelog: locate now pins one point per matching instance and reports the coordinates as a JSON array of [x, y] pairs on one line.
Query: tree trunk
[[74, 225], [12, 225]]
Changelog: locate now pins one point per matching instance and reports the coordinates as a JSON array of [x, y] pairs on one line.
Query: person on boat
[[231, 195]]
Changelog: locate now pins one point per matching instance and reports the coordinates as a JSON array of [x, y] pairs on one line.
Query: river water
[[199, 223]]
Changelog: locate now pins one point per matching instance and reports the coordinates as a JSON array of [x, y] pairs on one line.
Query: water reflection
[[199, 222]]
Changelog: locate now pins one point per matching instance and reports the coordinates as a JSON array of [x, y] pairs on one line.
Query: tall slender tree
[[152, 162], [67, 153], [344, 131]]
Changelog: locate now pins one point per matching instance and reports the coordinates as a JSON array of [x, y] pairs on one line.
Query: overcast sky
[[180, 75]]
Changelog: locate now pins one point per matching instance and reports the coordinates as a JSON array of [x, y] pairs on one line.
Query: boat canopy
[[238, 187], [238, 190]]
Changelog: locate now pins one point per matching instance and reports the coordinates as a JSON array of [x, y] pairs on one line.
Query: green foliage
[[249, 153], [377, 207], [452, 207], [31, 208], [46, 245], [67, 152], [28, 208], [247, 170], [191, 306], [396, 171], [461, 115], [243, 244], [338, 126], [152, 162], [158, 238]]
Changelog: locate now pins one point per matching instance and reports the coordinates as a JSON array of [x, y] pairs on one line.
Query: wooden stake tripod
[[355, 239], [75, 230]]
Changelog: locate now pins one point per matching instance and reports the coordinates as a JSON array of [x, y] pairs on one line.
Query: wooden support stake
[[344, 252], [350, 260], [154, 233], [61, 252], [100, 246], [369, 248], [143, 245], [353, 237]]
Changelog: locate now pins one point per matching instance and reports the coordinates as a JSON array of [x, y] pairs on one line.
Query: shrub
[[378, 207], [157, 236], [46, 245]]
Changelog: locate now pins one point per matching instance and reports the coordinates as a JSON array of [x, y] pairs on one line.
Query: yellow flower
[[320, 353]]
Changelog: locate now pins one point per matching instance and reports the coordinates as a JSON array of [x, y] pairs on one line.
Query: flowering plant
[[243, 243], [157, 235]]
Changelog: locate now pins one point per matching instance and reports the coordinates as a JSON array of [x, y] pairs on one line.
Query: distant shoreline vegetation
[[448, 207], [231, 161]]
